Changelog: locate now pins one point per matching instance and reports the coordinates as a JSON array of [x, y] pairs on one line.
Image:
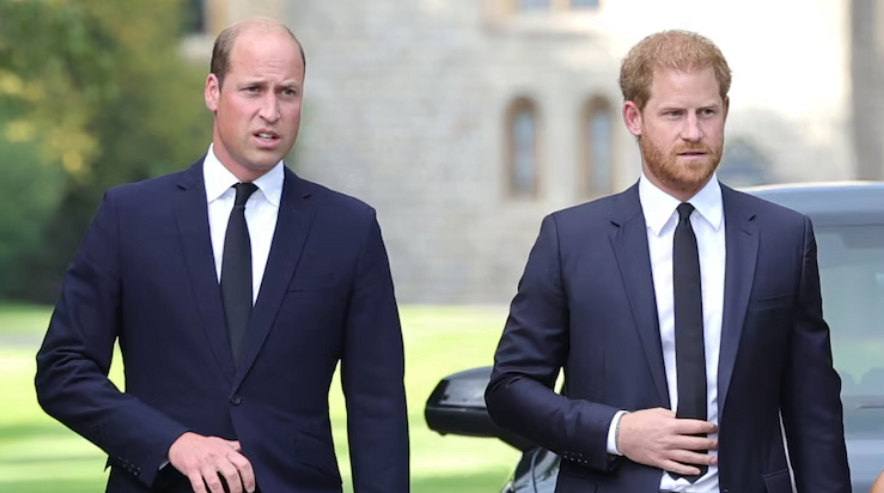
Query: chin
[[696, 179], [686, 179]]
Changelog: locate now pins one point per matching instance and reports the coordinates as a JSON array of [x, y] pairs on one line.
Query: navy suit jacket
[[145, 275], [586, 304]]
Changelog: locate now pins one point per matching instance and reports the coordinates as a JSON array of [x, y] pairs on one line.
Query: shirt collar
[[219, 179], [659, 207]]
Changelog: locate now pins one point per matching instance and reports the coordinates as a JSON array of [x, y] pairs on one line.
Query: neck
[[243, 174]]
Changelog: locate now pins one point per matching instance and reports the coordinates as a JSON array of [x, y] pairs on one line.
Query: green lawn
[[26, 320], [38, 455]]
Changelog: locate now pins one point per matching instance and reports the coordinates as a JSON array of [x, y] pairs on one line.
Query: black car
[[848, 221]]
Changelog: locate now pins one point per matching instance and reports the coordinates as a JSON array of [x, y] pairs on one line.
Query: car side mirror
[[457, 407]]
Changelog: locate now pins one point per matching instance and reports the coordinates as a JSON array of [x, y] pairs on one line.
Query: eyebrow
[[258, 82], [676, 107]]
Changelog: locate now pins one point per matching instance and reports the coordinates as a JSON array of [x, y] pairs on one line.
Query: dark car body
[[848, 220]]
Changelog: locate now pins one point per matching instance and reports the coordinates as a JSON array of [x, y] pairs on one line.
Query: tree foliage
[[99, 88]]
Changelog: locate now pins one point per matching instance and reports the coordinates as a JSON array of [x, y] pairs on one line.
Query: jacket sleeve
[[372, 374], [532, 350], [73, 362], [811, 406]]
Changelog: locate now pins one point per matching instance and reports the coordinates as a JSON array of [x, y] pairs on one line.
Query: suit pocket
[[312, 283], [769, 301], [778, 482], [317, 454]]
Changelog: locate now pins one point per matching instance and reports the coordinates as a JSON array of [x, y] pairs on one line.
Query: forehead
[[687, 87], [266, 53]]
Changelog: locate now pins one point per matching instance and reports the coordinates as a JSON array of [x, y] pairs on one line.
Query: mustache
[[692, 148]]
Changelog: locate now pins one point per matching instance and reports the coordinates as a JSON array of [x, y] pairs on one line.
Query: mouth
[[266, 135], [266, 139], [692, 154]]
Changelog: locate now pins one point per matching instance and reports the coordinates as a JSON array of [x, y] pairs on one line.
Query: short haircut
[[675, 49], [225, 41]]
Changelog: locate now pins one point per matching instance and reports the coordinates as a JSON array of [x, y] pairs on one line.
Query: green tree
[[29, 194], [101, 89]]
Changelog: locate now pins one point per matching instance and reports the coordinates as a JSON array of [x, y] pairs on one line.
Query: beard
[[680, 176]]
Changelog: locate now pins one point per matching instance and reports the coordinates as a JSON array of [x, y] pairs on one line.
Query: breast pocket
[[771, 301], [315, 305], [313, 282]]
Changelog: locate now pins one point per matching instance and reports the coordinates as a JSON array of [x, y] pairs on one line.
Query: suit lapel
[[630, 243], [741, 244], [292, 228], [191, 213]]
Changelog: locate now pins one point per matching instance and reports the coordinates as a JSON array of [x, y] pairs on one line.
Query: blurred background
[[462, 121]]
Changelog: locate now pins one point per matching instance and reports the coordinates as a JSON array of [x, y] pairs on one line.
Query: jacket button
[[236, 400]]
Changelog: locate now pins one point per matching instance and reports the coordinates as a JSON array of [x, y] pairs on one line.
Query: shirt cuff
[[612, 433]]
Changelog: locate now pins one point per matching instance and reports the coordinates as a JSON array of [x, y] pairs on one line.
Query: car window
[[851, 262]]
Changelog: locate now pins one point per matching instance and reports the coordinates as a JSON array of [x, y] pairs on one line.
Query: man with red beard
[[686, 315]]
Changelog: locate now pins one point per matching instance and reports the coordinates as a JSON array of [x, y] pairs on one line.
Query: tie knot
[[243, 192], [684, 210]]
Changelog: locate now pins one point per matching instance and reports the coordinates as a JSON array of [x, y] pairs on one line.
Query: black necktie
[[690, 354], [236, 269]]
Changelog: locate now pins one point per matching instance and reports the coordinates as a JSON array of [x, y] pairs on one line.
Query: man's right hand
[[655, 437], [202, 459]]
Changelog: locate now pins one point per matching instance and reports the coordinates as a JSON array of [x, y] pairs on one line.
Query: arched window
[[522, 138], [584, 4], [554, 5], [533, 4], [597, 143], [194, 17]]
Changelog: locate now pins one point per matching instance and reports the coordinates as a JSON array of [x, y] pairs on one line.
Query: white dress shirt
[[661, 217], [262, 209]]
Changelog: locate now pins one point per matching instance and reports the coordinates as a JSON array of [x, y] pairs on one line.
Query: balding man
[[234, 287]]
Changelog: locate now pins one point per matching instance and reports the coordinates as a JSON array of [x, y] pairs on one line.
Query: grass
[[39, 455], [24, 320]]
